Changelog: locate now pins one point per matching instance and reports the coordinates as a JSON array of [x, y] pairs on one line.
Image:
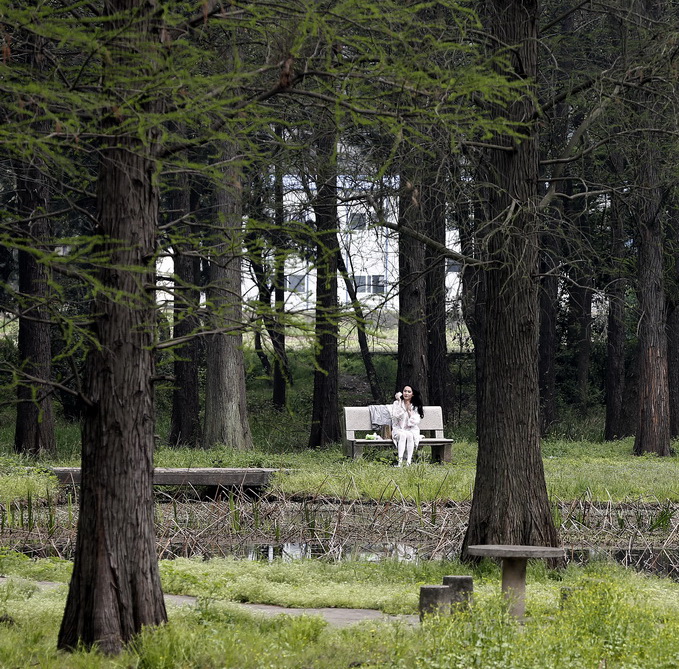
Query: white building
[[369, 250]]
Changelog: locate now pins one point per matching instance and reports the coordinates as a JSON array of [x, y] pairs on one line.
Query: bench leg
[[441, 453], [353, 450]]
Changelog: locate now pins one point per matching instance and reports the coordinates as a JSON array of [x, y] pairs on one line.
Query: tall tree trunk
[[185, 420], [473, 294], [115, 587], [510, 503], [413, 367], [282, 376], [34, 427], [653, 421], [226, 418], [614, 427], [325, 426], [673, 319], [580, 302], [434, 209], [547, 343]]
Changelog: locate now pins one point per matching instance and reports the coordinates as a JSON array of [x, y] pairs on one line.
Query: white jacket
[[401, 420]]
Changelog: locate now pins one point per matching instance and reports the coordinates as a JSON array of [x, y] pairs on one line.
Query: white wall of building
[[370, 251]]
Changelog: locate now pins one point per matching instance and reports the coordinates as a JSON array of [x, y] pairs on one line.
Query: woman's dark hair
[[417, 401]]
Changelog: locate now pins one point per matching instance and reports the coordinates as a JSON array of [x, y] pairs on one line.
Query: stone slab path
[[334, 617]]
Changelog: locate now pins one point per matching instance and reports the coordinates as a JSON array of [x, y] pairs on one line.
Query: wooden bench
[[232, 477], [357, 419]]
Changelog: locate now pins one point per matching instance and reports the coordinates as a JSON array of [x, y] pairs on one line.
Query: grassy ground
[[611, 618], [573, 470]]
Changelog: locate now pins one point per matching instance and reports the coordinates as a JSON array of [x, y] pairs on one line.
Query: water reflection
[[317, 549]]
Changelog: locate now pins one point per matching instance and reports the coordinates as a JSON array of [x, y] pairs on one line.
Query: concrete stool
[[435, 599], [461, 588]]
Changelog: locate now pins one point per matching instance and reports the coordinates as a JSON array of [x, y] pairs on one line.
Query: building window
[[453, 266], [295, 283], [378, 284], [361, 283], [358, 221]]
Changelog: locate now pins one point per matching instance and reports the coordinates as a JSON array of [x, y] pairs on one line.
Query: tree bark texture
[[185, 426], [226, 418], [34, 428], [115, 588], [510, 503], [325, 425], [653, 418], [673, 319], [413, 367], [434, 203]]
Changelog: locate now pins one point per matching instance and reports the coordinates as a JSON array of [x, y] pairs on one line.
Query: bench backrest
[[357, 419]]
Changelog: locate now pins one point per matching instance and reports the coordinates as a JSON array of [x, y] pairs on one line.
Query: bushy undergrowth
[[611, 617]]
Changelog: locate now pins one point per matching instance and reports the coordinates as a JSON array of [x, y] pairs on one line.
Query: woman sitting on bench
[[406, 415]]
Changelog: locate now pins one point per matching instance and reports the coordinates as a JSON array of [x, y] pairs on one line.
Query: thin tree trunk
[[282, 376], [549, 295], [370, 371], [34, 425], [185, 421], [434, 206], [615, 335], [34, 428], [473, 297], [115, 586], [325, 426], [580, 300], [673, 320]]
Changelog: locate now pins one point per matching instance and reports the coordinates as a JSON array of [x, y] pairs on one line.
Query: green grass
[[21, 481], [605, 472], [612, 618]]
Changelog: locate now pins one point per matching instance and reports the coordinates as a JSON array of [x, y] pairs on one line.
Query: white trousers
[[405, 444]]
